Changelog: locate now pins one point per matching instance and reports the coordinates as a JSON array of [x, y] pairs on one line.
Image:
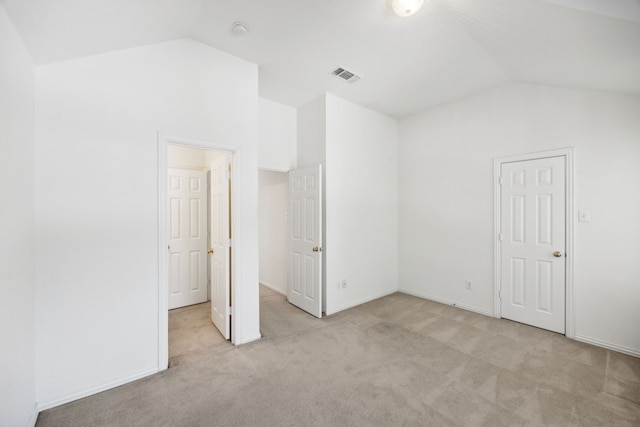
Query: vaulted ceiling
[[449, 49]]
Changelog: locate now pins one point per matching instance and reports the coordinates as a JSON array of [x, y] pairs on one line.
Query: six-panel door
[[305, 239], [533, 242], [187, 237]]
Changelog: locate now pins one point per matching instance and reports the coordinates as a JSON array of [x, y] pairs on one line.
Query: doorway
[[289, 206], [198, 212], [273, 222], [232, 153], [533, 240]]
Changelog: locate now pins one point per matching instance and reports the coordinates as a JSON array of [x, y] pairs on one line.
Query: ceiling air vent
[[346, 75]]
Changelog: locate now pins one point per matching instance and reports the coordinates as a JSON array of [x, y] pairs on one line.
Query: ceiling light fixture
[[239, 28], [406, 7]]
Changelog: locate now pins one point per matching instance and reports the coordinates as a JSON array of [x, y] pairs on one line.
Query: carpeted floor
[[192, 334], [396, 361]]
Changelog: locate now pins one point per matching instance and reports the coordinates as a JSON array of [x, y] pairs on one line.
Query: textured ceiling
[[449, 49]]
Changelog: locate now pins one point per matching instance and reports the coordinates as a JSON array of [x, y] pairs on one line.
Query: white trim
[[570, 320], [236, 255], [272, 169], [163, 266], [567, 153], [237, 284], [187, 167], [273, 288], [448, 302], [198, 143], [361, 301], [608, 345], [33, 419], [249, 339], [95, 390]]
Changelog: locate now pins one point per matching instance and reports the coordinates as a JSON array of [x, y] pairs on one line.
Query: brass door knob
[[557, 254], [317, 249], [210, 251]]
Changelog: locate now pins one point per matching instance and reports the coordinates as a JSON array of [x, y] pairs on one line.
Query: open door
[[305, 239], [220, 246]]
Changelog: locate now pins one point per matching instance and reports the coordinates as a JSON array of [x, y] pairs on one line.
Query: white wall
[[361, 204], [277, 136], [446, 198], [97, 202], [311, 151], [277, 146], [358, 149], [273, 204], [17, 245], [311, 133], [179, 156]]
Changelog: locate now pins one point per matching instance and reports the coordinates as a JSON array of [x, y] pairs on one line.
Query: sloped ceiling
[[449, 49]]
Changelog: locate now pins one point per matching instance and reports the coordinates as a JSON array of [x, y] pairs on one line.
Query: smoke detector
[[346, 75], [239, 28]]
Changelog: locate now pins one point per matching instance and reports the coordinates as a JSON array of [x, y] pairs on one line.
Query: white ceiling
[[449, 49]]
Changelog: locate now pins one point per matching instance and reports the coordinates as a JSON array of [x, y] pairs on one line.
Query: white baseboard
[[273, 288], [608, 345], [94, 390], [448, 302], [361, 301], [599, 343], [34, 416]]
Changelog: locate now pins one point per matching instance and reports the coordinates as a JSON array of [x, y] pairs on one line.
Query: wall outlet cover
[[584, 216]]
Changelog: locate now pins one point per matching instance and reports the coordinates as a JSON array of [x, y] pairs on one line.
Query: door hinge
[[229, 310], [228, 243], [500, 180], [499, 237], [499, 293], [227, 175]]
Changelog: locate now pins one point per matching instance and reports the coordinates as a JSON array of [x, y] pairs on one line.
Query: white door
[[533, 242], [305, 239], [187, 208], [221, 246]]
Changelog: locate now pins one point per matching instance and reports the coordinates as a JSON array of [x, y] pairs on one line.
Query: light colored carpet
[[192, 334], [396, 361]]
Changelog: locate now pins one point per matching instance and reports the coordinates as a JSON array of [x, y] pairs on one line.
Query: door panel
[[305, 239], [187, 237], [532, 229], [220, 244]]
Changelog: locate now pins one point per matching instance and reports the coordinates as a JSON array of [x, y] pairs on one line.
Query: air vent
[[346, 75]]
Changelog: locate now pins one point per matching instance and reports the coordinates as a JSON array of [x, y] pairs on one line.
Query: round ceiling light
[[406, 7], [239, 28]]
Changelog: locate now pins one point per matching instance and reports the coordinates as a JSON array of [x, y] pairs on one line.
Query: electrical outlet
[[344, 283], [467, 284], [584, 216]]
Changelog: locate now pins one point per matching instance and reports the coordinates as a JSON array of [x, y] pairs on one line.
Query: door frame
[[235, 152], [567, 153]]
